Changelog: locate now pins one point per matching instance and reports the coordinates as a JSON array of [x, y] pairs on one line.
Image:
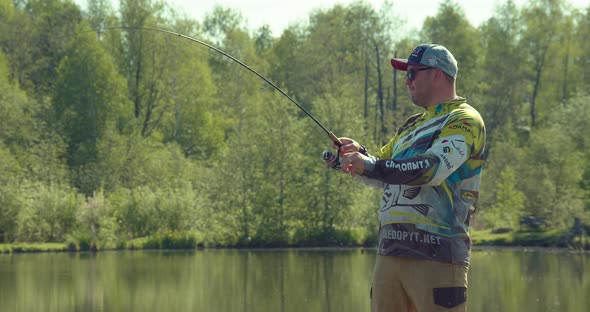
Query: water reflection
[[271, 280]]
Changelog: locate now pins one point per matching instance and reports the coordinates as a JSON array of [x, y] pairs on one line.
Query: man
[[430, 172]]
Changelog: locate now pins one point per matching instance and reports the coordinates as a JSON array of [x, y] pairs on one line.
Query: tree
[[9, 196], [571, 120], [450, 27], [17, 126], [552, 176], [264, 40], [509, 202], [89, 101], [146, 63], [53, 23], [192, 123], [100, 14], [47, 212], [580, 54], [541, 19], [16, 36], [503, 96], [221, 22]]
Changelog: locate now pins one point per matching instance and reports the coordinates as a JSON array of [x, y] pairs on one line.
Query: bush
[[97, 226], [144, 210], [48, 212], [329, 237], [531, 223], [171, 240], [81, 241]]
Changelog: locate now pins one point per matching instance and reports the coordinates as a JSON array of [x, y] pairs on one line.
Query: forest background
[[109, 136]]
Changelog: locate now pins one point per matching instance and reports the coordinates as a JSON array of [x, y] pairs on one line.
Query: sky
[[279, 14]]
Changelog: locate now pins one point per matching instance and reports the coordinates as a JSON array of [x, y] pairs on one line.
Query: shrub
[[171, 240]]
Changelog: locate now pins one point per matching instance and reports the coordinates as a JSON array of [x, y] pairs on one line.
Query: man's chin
[[415, 101]]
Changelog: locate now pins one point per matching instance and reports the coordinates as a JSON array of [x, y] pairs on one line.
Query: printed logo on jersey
[[458, 147], [451, 150], [465, 126], [446, 149], [387, 196], [406, 166], [453, 145], [412, 193], [445, 161]]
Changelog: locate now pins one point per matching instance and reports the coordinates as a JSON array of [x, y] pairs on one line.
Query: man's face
[[419, 80]]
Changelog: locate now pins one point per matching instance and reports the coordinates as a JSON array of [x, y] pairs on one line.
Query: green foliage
[[192, 121], [330, 237], [508, 204], [32, 247], [46, 213], [132, 161], [142, 211], [89, 102], [97, 226], [553, 168], [37, 40], [502, 98], [171, 240], [134, 138], [451, 28], [552, 238], [9, 195], [16, 128]]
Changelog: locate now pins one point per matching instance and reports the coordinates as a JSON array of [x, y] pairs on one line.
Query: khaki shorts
[[411, 285]]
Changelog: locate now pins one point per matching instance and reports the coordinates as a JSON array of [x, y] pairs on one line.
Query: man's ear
[[439, 73]]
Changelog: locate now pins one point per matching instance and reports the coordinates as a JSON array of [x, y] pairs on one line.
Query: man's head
[[431, 73], [431, 55]]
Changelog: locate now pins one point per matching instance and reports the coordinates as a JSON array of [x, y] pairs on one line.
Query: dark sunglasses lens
[[410, 74]]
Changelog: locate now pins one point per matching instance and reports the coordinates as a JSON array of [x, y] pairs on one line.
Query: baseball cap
[[432, 55]]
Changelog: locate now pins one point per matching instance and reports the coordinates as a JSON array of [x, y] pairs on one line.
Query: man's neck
[[441, 100]]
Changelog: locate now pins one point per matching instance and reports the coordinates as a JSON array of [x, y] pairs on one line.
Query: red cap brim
[[399, 64]]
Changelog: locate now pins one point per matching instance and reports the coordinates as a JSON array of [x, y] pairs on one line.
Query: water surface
[[291, 280]]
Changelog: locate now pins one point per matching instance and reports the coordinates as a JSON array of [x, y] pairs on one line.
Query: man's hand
[[348, 146], [353, 162]]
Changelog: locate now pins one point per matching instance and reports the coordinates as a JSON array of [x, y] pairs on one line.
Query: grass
[[552, 238], [33, 247]]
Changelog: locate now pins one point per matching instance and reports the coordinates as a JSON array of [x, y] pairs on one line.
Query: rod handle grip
[[335, 139]]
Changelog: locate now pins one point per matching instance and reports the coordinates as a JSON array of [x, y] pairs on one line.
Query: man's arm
[[458, 141]]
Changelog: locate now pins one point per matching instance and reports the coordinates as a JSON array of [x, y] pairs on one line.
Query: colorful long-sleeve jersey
[[431, 172]]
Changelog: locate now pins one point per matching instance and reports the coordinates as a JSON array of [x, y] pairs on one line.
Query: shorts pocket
[[449, 297]]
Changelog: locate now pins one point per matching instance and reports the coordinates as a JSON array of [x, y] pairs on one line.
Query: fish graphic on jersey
[[391, 198]]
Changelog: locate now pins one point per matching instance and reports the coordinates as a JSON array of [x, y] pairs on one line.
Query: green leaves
[[509, 202], [137, 132]]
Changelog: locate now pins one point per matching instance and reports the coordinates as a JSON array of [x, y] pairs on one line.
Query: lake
[[286, 280]]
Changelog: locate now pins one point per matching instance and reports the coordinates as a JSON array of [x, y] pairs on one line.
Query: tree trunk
[[394, 103], [564, 95], [539, 71], [366, 112], [137, 95], [380, 91]]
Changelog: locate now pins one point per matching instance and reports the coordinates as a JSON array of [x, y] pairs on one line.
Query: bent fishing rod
[[331, 135]]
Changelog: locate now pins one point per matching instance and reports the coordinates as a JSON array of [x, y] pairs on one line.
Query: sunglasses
[[411, 73]]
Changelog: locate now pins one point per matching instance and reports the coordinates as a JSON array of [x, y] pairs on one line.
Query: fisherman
[[430, 174]]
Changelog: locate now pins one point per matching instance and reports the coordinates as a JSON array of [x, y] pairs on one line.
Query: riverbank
[[551, 239], [554, 238]]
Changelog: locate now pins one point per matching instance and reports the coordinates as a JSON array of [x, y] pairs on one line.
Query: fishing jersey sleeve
[[428, 160]]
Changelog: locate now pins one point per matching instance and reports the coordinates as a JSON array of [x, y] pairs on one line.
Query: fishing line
[[267, 81]]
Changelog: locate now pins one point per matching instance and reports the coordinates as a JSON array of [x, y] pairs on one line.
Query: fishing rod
[[331, 135]]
